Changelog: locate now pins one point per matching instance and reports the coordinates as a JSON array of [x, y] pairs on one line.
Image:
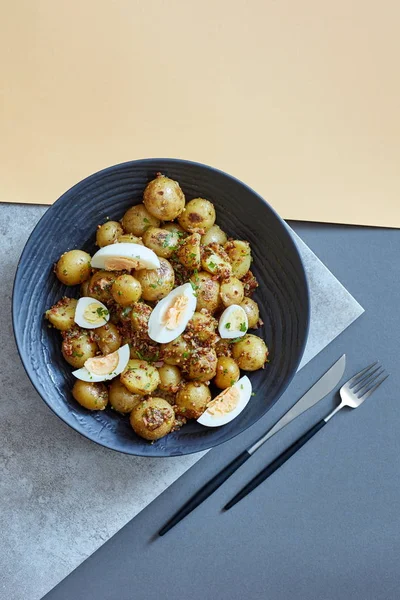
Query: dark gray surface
[[326, 526]]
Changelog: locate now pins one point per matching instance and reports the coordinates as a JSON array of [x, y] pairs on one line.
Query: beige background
[[299, 99]]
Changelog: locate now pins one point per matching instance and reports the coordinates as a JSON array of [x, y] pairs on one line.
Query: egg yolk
[[103, 365], [225, 402], [236, 319], [94, 313], [175, 312], [120, 263]]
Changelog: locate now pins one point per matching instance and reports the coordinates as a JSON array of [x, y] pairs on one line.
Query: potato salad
[[160, 331]]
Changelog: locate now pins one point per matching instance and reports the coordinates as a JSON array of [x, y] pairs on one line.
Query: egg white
[[245, 391], [82, 305], [230, 322], [146, 257], [157, 331], [123, 357]]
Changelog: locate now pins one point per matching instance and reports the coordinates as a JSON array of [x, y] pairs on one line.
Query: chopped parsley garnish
[[102, 312], [145, 220], [212, 265], [186, 354], [151, 358], [253, 393], [167, 240], [243, 327], [235, 340], [76, 354], [153, 285], [228, 326], [194, 286]]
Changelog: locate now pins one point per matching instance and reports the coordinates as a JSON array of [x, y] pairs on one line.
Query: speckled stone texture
[[62, 496]]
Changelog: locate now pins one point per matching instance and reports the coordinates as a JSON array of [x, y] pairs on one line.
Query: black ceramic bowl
[[71, 223]]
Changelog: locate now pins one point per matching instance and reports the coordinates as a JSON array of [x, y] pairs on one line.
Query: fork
[[352, 394]]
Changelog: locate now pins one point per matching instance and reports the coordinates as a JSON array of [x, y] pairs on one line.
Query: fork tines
[[366, 381]]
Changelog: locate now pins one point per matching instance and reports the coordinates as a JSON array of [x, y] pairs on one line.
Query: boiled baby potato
[[73, 267], [228, 372], [152, 418], [216, 261], [192, 399], [121, 399], [126, 290], [232, 291], [140, 316], [161, 241], [239, 256], [85, 288], [108, 233], [207, 291], [164, 198], [250, 353], [100, 285], [170, 378], [107, 338], [77, 347], [214, 235], [129, 238], [189, 252], [137, 219], [156, 283], [251, 309], [61, 315], [176, 228], [139, 377], [202, 325], [223, 348], [93, 396], [176, 352], [198, 216], [203, 365]]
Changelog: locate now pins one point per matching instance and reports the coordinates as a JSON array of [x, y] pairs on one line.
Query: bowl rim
[[143, 161]]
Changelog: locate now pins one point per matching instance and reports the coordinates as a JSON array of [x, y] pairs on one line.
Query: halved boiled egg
[[233, 322], [125, 256], [90, 313], [102, 368], [227, 405], [171, 315]]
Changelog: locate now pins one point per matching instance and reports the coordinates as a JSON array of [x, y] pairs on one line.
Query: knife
[[316, 393]]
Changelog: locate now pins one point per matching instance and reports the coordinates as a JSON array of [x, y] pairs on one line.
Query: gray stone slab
[[61, 496]]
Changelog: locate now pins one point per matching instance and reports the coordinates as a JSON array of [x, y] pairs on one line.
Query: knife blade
[[317, 392]]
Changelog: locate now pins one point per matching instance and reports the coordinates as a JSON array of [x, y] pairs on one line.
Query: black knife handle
[[275, 464], [205, 491]]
